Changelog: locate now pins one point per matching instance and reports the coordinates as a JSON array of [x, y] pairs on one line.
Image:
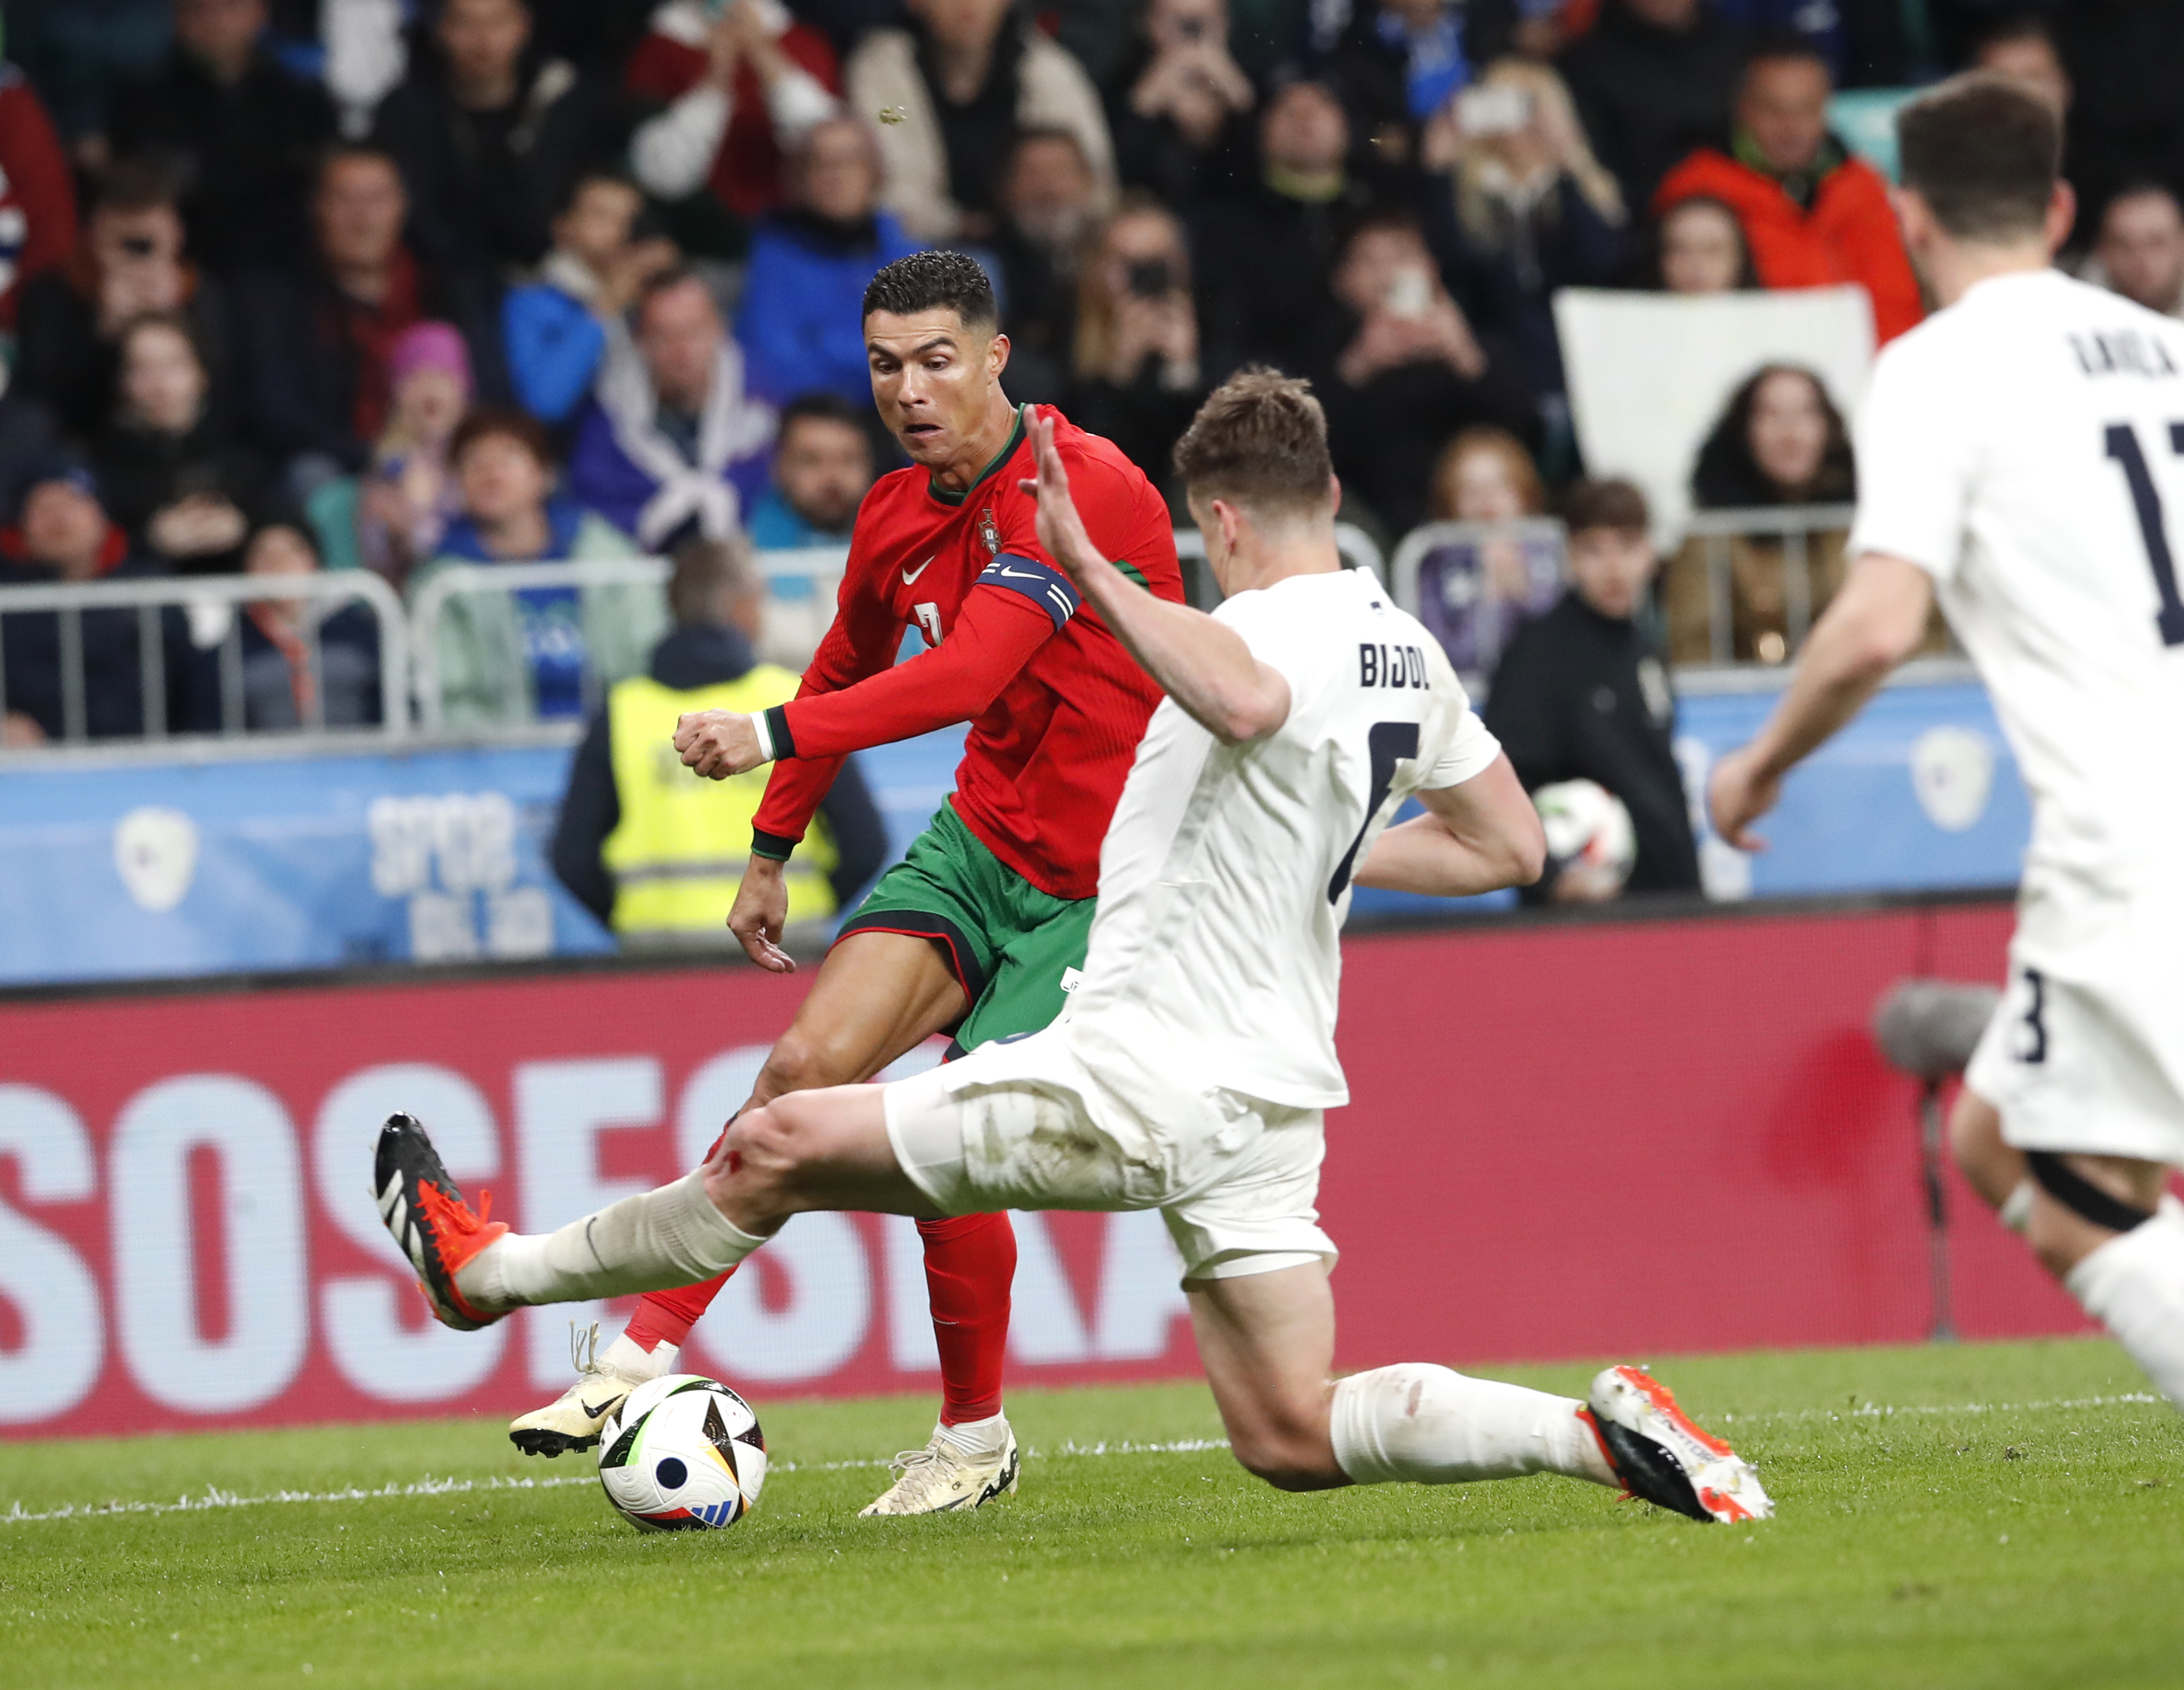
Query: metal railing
[[410, 682], [822, 565], [210, 603], [1794, 526]]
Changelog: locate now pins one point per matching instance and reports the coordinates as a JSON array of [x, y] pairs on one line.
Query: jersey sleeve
[[1917, 445], [1471, 750], [861, 643]]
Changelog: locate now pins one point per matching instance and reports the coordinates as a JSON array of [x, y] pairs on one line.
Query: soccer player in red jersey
[[982, 928]]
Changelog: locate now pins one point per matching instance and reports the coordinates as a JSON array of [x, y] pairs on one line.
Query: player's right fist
[[718, 743]]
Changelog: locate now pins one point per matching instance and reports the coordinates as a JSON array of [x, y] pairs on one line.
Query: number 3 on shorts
[[2034, 1047]]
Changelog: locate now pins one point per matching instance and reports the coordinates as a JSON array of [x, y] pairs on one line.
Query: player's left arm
[[1874, 622], [1202, 664], [1478, 836]]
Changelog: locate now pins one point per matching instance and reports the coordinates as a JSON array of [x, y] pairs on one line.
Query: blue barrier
[[146, 869]]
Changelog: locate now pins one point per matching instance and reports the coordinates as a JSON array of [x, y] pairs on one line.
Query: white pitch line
[[215, 1497]]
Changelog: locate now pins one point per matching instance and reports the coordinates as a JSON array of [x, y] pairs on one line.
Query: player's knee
[[764, 1146], [803, 1061], [1288, 1460]]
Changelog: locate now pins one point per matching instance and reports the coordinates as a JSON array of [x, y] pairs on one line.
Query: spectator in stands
[[79, 53], [283, 688], [736, 88], [2140, 253], [60, 533], [489, 138], [1266, 258], [554, 327], [801, 317], [2130, 127], [652, 850], [70, 317], [2022, 48], [1581, 694], [1409, 374], [1138, 376], [525, 656], [671, 438], [408, 494], [314, 374], [172, 475], [37, 194], [822, 468], [1811, 213], [236, 129], [1047, 207], [1701, 249], [1474, 594], [1652, 80], [1181, 111], [952, 91], [1780, 441], [1397, 64], [1528, 208]]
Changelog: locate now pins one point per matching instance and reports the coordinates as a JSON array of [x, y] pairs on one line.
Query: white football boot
[[1662, 1455], [572, 1420], [941, 1477]]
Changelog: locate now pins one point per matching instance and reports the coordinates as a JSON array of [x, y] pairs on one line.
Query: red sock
[[666, 1317], [969, 1264]]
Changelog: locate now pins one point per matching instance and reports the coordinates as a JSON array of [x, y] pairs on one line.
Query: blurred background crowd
[[393, 284]]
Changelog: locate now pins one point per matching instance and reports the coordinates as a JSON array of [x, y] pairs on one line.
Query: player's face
[[934, 380]]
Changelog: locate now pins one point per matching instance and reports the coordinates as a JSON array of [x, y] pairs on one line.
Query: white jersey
[[2025, 448], [1215, 959]]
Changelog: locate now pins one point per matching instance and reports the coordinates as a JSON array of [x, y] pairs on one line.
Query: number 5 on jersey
[[2122, 440]]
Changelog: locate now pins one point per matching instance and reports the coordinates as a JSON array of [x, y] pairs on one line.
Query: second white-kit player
[[1190, 1071], [2021, 456]]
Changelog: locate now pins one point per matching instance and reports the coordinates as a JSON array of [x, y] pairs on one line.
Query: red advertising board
[[1610, 1137]]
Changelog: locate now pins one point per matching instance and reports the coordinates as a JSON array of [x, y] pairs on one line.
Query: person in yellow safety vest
[[649, 847]]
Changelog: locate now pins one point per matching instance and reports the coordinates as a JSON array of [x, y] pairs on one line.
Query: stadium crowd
[[397, 284]]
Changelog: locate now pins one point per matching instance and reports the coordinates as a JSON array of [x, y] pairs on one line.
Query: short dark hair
[[819, 406], [353, 153], [663, 281], [1787, 47], [1260, 440], [132, 185], [1609, 502], [1983, 153], [509, 423], [595, 176], [2015, 26], [702, 570], [934, 282]]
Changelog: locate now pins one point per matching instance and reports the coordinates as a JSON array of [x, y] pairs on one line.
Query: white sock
[[2134, 1286], [631, 1360], [1430, 1426], [977, 1437], [2016, 1210], [670, 1236]]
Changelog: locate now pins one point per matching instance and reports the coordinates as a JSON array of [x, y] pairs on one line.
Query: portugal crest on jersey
[[989, 531]]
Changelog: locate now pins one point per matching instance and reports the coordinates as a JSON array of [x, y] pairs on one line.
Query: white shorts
[[1028, 1124], [2085, 1052]]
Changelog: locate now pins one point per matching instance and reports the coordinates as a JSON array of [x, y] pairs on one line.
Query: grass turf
[[2032, 1540]]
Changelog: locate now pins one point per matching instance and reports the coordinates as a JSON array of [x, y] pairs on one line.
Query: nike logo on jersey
[[909, 576], [1390, 665]]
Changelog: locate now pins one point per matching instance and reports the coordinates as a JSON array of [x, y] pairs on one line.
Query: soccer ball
[[682, 1453], [1586, 828]]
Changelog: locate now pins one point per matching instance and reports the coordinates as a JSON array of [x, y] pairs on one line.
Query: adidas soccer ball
[[1586, 828], [682, 1453]]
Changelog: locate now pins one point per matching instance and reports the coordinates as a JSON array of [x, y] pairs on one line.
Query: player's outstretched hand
[[1738, 794], [760, 912], [717, 743], [1061, 529]]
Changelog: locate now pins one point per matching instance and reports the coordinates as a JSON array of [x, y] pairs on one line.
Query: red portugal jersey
[[1057, 705]]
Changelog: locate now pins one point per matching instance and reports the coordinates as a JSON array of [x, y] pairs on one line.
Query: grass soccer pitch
[[1983, 1515]]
